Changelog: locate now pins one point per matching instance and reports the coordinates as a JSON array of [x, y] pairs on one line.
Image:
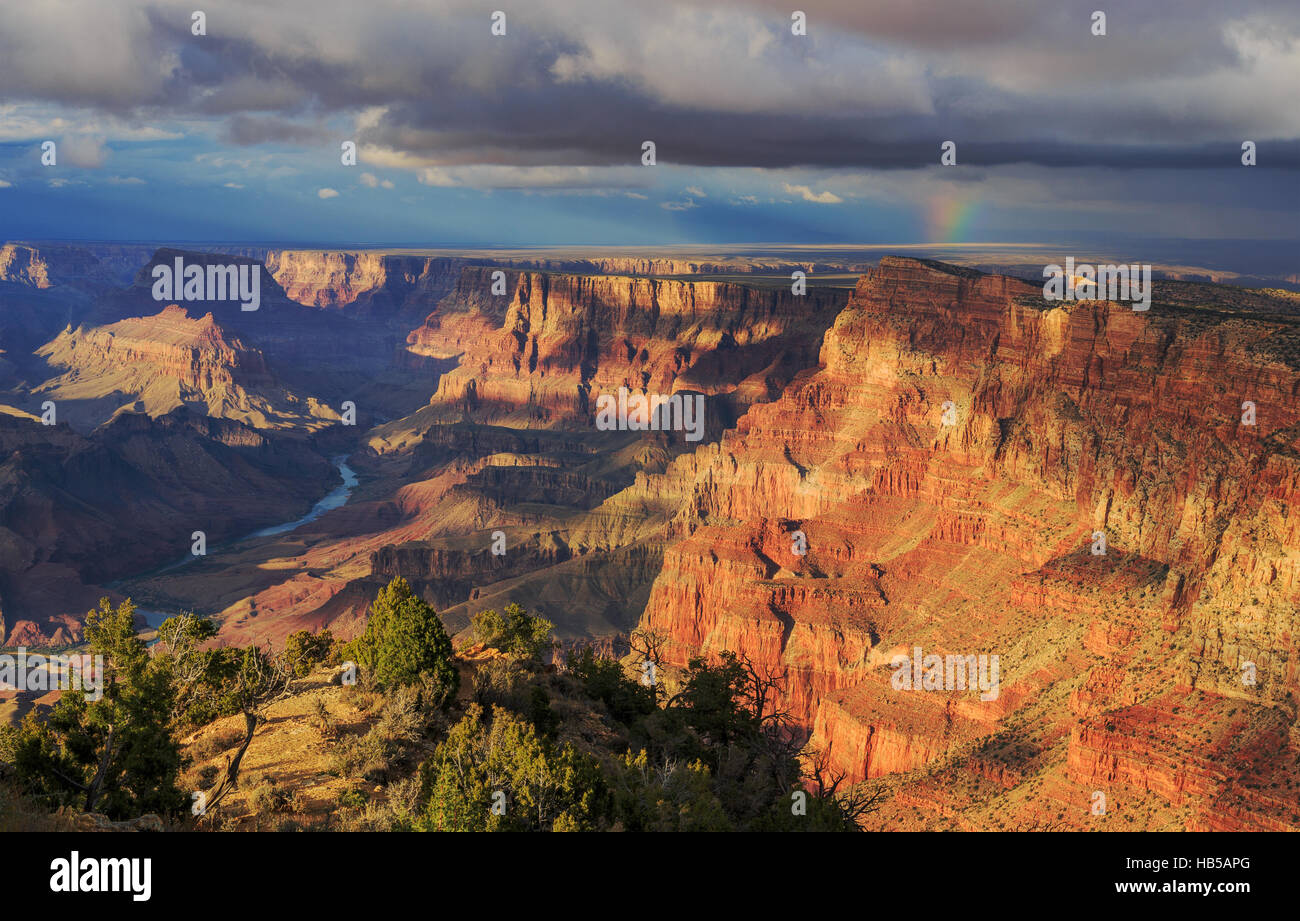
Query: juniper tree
[[115, 754]]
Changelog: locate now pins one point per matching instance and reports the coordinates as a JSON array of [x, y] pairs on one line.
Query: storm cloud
[[880, 85]]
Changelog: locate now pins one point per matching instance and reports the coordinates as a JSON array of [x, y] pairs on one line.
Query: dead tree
[[780, 739], [855, 801], [262, 679], [764, 689], [649, 645], [214, 677]]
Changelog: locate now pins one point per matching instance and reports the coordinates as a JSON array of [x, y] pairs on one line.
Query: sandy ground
[[291, 750]]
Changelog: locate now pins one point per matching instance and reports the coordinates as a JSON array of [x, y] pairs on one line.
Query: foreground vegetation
[[514, 736]]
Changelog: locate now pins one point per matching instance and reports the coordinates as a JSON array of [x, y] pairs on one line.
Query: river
[[335, 498]]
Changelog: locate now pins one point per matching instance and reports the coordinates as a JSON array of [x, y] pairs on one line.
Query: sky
[[535, 137]]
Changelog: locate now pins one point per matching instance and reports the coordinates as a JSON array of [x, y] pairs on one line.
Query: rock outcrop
[[949, 465], [368, 284], [48, 265], [542, 353], [167, 360]]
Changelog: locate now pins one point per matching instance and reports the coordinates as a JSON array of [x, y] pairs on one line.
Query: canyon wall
[[948, 465], [544, 351], [365, 280], [365, 283], [47, 265], [650, 265]]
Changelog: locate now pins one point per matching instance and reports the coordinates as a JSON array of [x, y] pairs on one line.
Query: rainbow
[[948, 218]]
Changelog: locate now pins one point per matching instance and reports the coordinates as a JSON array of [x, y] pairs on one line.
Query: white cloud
[[438, 177], [328, 193], [125, 180], [232, 185], [549, 178], [82, 150], [1227, 72], [370, 180], [5, 184], [807, 194], [388, 158], [220, 161], [31, 122], [370, 118]]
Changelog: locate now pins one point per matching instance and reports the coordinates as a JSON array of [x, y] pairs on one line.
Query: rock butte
[[171, 360]]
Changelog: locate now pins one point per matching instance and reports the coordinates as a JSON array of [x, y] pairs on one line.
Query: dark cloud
[[879, 85], [247, 129]]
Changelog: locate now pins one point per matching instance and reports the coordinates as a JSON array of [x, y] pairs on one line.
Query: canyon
[[946, 442], [975, 538]]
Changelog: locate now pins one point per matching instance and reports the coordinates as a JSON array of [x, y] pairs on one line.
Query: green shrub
[[605, 680], [516, 633], [304, 651], [403, 640], [500, 683], [481, 765]]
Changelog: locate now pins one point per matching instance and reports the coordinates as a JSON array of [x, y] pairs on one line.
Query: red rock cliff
[[972, 534], [547, 348]]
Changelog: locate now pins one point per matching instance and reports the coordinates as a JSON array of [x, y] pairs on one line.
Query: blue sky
[[534, 137], [184, 190]]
